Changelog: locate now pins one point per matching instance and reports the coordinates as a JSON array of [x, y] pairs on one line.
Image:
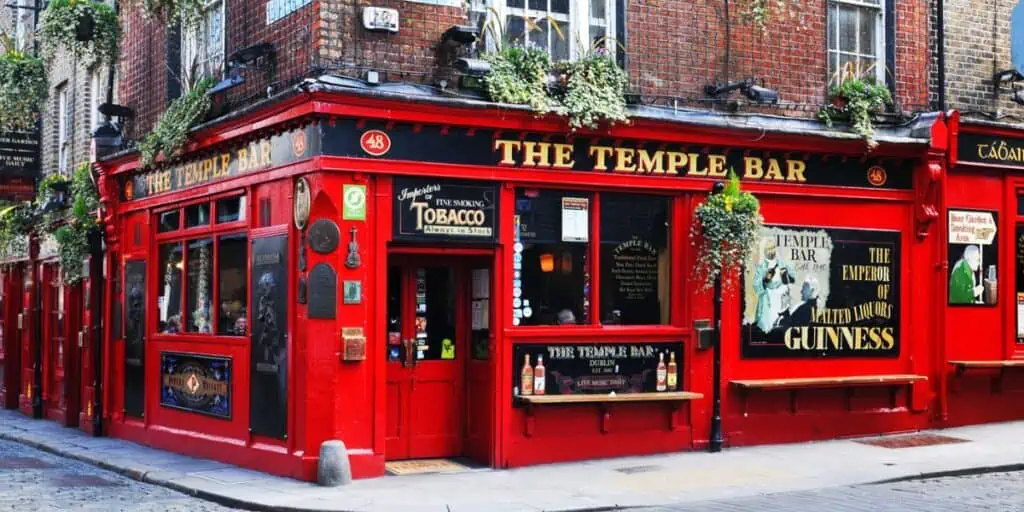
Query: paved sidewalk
[[603, 484]]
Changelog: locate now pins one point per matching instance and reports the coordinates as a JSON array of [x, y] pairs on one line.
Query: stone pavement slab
[[659, 480]]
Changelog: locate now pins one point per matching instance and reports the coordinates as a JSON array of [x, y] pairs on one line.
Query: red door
[[426, 353], [60, 309], [10, 346]]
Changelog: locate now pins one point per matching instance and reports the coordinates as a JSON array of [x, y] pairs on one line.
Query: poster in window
[[1019, 264], [973, 257], [822, 292], [196, 383]]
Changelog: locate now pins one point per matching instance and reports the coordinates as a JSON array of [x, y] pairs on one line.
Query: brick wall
[[977, 44], [76, 77]]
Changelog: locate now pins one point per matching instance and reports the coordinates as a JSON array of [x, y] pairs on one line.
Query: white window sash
[[579, 19], [863, 9]]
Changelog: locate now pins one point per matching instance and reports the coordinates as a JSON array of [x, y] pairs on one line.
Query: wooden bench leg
[[792, 401], [530, 421], [673, 416], [997, 381]]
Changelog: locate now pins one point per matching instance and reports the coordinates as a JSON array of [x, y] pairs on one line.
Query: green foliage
[[73, 236], [188, 12], [760, 12], [23, 90], [726, 227], [171, 131], [59, 26], [595, 90], [16, 223], [855, 100], [519, 76]]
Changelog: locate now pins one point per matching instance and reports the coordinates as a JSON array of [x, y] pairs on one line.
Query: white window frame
[[194, 47], [63, 140], [833, 56], [578, 17], [23, 17], [95, 82]]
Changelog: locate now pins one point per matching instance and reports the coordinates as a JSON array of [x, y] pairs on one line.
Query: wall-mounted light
[[755, 93], [460, 34], [547, 262], [566, 262]]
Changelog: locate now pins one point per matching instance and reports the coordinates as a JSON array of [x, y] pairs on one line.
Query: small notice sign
[[355, 202], [575, 219]]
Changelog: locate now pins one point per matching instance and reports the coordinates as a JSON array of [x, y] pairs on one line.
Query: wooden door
[[427, 339]]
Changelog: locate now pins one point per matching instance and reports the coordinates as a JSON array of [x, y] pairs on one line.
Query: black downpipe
[[111, 67], [36, 278], [890, 47], [96, 284], [940, 28], [716, 441]]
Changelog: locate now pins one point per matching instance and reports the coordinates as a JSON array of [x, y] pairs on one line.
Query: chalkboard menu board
[[568, 369]]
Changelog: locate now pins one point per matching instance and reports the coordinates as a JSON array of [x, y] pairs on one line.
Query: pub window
[[551, 266], [200, 287], [634, 259], [232, 284], [855, 39], [566, 29], [231, 209], [170, 221], [169, 292], [197, 215]]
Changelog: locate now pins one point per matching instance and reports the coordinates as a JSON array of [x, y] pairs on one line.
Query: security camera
[[473, 67], [761, 94]]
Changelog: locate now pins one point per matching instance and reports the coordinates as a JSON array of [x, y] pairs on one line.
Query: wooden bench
[[675, 398], [998, 364], [850, 382]]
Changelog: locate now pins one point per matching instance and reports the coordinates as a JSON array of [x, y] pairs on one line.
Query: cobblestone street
[[32, 480], [995, 492]]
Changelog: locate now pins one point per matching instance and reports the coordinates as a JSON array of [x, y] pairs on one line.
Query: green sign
[[354, 197]]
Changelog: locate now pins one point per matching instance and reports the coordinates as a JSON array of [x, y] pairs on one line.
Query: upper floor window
[[63, 128], [23, 23], [202, 45], [855, 39], [95, 98], [567, 29]]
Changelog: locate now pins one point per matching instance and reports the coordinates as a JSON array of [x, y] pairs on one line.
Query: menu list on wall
[[631, 267], [567, 369]]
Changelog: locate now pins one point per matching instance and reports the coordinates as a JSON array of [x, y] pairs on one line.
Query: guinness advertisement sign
[[988, 149], [427, 209], [196, 383]]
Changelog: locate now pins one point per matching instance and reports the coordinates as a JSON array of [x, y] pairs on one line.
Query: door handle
[[21, 321], [408, 351]]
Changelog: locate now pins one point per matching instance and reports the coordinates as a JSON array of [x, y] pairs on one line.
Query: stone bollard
[[333, 469]]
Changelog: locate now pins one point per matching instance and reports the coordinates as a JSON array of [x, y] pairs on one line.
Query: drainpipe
[[96, 284], [940, 28], [716, 441]]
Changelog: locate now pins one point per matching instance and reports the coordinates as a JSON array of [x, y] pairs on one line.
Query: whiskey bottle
[[673, 372], [662, 372], [539, 377], [526, 377]]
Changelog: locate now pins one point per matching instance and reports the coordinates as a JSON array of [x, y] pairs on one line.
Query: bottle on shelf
[[539, 377], [662, 373], [526, 377], [673, 372]]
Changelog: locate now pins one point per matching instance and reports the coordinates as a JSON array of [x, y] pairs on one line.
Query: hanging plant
[[51, 185], [23, 89], [519, 76], [86, 28], [188, 12], [81, 221], [857, 100], [171, 131], [16, 223], [725, 226], [594, 90]]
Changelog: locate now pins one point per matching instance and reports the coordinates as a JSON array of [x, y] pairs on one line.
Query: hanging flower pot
[[23, 90], [726, 227], [86, 28]]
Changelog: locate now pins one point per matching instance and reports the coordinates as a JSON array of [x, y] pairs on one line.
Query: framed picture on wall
[[973, 256]]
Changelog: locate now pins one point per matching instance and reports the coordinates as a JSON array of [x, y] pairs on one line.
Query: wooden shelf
[[827, 382], [1007, 363], [625, 397]]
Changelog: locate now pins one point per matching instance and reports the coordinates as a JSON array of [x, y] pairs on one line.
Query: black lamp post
[[715, 444]]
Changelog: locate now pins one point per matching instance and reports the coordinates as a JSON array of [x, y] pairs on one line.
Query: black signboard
[[268, 393], [561, 152], [601, 368], [988, 149], [19, 165], [822, 292], [134, 339], [196, 383], [426, 209], [323, 292]]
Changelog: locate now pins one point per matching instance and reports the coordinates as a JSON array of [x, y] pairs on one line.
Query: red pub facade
[[433, 278]]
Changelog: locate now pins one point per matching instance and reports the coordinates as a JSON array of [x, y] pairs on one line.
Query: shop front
[[430, 280], [983, 278]]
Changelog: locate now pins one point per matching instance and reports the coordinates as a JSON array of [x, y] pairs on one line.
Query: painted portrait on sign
[[817, 292], [973, 256]]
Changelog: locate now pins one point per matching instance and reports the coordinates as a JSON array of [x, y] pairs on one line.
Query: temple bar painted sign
[[602, 368], [988, 149], [196, 383], [262, 154], [484, 147], [822, 292], [19, 165], [428, 209]]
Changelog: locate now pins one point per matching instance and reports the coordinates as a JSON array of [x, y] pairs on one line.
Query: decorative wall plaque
[[324, 236], [323, 292], [195, 383], [353, 292], [354, 344], [302, 203]]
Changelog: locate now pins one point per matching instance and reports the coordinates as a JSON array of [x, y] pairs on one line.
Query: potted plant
[[171, 132], [86, 28], [594, 90], [726, 227], [856, 100], [186, 12], [80, 226], [23, 88], [519, 76]]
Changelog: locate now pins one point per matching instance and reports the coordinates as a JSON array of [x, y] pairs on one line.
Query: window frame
[[63, 140], [677, 251], [194, 44], [880, 36], [578, 17], [95, 82], [184, 236]]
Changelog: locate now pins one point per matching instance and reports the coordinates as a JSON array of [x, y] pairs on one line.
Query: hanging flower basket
[[857, 101], [171, 132], [23, 91], [725, 227], [595, 90], [86, 28]]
